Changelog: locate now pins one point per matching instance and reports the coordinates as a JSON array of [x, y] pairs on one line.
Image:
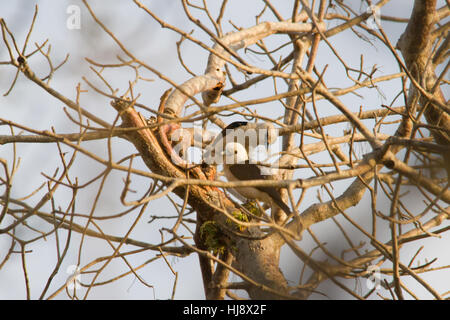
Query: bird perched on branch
[[237, 167], [250, 135], [232, 148]]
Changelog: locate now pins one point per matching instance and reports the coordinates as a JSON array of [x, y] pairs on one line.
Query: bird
[[212, 154], [250, 135], [237, 167]]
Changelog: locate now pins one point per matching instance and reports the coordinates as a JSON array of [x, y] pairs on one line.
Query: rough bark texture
[[247, 242], [416, 46], [258, 259]]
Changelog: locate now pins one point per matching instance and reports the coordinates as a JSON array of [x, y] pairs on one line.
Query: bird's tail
[[283, 206]]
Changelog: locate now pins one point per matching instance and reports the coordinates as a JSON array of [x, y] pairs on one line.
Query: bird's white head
[[234, 153]]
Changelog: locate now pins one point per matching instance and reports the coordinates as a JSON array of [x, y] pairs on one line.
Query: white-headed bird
[[237, 167]]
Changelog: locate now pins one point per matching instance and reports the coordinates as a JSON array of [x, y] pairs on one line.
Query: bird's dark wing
[[247, 171]]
